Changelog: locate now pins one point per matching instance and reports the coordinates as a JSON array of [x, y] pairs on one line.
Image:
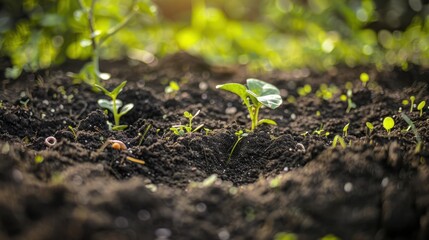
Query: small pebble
[[231, 110], [348, 187]]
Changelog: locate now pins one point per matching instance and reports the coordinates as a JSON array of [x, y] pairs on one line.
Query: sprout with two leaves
[[256, 94], [114, 105]]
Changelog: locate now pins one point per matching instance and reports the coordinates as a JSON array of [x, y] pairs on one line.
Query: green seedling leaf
[[260, 94], [265, 93], [369, 126], [345, 129], [339, 139], [187, 115], [108, 104], [364, 77], [267, 121], [388, 124], [238, 89], [261, 88], [126, 108], [119, 127], [115, 92], [421, 106]]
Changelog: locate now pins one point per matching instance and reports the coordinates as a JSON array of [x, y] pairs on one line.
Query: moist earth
[[279, 179]]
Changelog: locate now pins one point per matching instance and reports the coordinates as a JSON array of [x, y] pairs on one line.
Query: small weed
[[114, 105], [416, 134], [181, 130], [305, 90]]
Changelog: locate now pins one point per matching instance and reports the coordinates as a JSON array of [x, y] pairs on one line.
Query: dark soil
[[279, 179]]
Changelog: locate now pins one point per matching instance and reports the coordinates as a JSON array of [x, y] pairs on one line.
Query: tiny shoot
[[339, 139], [240, 135], [346, 129], [180, 130], [364, 78], [421, 106], [388, 124], [114, 105], [412, 99], [416, 133], [370, 127], [172, 88], [256, 94]]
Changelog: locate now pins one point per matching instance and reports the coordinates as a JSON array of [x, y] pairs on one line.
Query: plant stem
[[233, 148], [115, 112]]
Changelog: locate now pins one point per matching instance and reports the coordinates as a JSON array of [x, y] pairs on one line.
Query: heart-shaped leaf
[[261, 88], [236, 88], [271, 101]]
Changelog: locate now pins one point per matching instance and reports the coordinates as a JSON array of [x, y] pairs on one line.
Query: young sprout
[[370, 127], [421, 106], [364, 78], [172, 88], [144, 134], [240, 135], [257, 94], [345, 129], [339, 139], [320, 130], [38, 159], [73, 131], [305, 90], [114, 105], [412, 99], [348, 98], [388, 124], [180, 130], [416, 134]]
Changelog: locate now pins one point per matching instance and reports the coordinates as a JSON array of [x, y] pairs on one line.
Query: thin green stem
[[117, 27], [115, 112], [233, 148]]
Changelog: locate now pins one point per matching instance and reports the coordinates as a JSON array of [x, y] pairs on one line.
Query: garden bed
[[280, 179]]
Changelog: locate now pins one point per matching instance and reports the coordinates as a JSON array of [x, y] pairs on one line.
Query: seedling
[[348, 98], [338, 139], [416, 134], [345, 129], [114, 105], [421, 106], [257, 94], [38, 159], [172, 88], [412, 99], [364, 78], [240, 135], [370, 127], [73, 131], [181, 130], [388, 124], [144, 134], [320, 130], [305, 90]]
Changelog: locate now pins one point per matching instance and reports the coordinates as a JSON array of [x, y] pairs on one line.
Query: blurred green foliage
[[265, 34]]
